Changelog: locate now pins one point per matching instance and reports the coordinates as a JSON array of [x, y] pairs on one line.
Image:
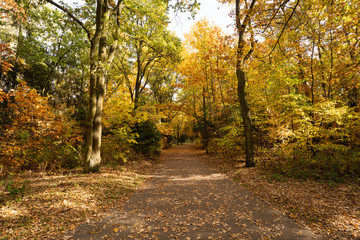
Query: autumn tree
[[148, 46], [35, 138], [208, 78], [302, 86], [255, 19], [10, 12], [241, 57], [104, 40]]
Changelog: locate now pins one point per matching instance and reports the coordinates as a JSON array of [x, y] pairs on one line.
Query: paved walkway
[[187, 199]]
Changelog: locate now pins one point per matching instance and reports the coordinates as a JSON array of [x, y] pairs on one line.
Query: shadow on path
[[186, 199]]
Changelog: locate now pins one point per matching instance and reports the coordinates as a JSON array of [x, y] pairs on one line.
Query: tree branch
[[58, 61], [282, 31], [127, 80], [71, 15], [245, 23], [277, 10]]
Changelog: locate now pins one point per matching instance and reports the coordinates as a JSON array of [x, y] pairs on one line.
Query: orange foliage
[[11, 8], [35, 136], [6, 56]]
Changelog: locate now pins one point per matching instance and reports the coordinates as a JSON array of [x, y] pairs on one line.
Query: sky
[[210, 9]]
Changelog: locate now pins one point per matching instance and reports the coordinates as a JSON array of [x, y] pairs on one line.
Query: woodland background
[[302, 86], [74, 77]]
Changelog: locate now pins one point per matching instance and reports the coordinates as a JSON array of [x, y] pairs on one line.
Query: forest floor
[[53, 202], [187, 199], [326, 207], [191, 195]]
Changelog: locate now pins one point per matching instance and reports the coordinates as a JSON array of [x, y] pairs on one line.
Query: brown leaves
[[324, 207], [10, 8], [54, 203], [6, 56]]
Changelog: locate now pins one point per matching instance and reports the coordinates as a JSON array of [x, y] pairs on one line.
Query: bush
[[116, 146], [316, 141], [149, 139], [167, 141], [230, 140], [36, 138]]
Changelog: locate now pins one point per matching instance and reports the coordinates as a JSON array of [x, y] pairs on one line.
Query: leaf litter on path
[[187, 199], [330, 209]]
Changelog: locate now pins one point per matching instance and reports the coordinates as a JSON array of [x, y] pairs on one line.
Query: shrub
[[36, 138], [316, 141], [117, 146], [149, 139]]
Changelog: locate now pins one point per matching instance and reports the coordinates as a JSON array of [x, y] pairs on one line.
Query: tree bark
[[92, 157], [89, 166], [245, 113], [312, 73], [241, 77], [205, 132], [100, 59]]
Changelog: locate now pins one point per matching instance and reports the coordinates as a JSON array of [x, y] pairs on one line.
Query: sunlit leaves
[[35, 137]]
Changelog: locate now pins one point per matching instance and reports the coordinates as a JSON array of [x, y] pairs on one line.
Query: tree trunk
[[312, 73], [240, 74], [89, 164], [138, 75], [205, 133], [98, 62], [100, 59], [245, 113]]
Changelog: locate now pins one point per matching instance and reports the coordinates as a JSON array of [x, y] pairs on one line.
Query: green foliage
[[230, 143], [116, 146], [230, 139], [36, 76], [149, 139]]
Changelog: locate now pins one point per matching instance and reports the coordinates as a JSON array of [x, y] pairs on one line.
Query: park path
[[186, 199]]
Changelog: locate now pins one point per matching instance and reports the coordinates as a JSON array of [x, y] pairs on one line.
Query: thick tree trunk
[[89, 165], [98, 62], [95, 157], [100, 59]]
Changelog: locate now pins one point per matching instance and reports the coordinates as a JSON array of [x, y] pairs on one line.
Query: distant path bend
[[187, 199]]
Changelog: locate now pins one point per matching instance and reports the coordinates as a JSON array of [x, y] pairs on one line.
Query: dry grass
[[53, 203]]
